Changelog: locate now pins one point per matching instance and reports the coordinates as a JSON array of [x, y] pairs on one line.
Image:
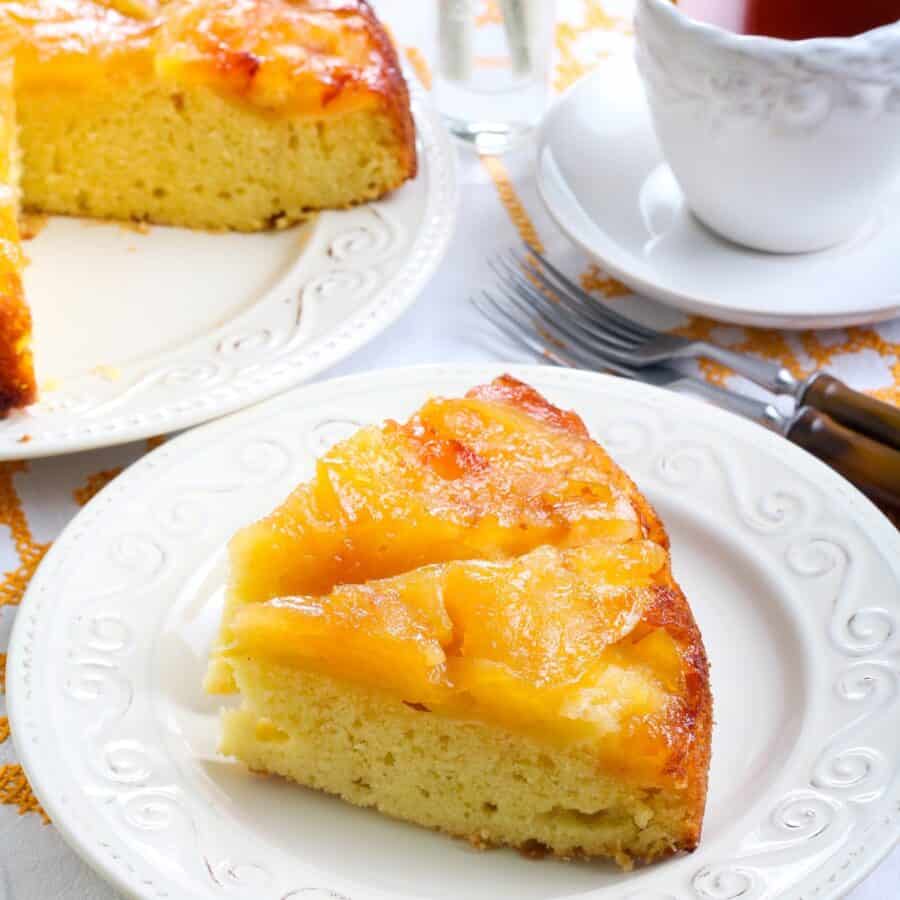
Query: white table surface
[[36, 500]]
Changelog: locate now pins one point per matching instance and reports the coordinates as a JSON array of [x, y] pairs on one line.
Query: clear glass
[[492, 78]]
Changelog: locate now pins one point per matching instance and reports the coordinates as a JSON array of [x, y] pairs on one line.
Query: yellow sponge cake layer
[[487, 784], [135, 150]]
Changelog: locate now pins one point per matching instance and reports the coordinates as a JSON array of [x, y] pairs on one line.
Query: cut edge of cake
[[17, 382], [168, 130]]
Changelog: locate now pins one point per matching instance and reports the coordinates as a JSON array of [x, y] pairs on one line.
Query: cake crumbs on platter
[[480, 841], [110, 373], [305, 231], [131, 226], [24, 439], [136, 227], [32, 224], [534, 850]]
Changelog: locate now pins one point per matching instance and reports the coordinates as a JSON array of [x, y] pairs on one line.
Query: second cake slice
[[469, 621]]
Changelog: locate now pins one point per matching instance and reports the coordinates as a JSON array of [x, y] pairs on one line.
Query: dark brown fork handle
[[864, 414], [872, 467]]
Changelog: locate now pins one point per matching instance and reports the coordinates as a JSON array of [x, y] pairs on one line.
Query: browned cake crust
[[17, 384], [690, 720]]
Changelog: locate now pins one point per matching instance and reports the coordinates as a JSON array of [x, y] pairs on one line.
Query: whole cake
[[217, 114], [469, 621]]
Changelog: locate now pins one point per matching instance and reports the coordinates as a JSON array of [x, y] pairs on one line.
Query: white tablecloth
[[499, 203]]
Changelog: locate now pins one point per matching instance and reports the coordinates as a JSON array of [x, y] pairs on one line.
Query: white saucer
[[601, 174]]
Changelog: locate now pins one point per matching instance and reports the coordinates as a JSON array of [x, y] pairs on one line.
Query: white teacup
[[784, 146]]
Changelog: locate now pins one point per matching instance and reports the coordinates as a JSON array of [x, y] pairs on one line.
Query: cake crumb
[[24, 439], [137, 227], [110, 373], [480, 840], [534, 850], [32, 224]]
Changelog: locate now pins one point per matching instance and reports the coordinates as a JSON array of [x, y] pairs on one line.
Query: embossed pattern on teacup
[[784, 146]]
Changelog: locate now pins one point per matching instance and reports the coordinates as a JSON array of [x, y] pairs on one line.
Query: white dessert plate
[[794, 578], [601, 174], [137, 334]]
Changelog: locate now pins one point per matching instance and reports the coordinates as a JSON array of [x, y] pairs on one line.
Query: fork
[[625, 341], [873, 467]]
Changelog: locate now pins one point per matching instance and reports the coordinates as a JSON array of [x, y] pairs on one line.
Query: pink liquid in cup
[[795, 19]]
